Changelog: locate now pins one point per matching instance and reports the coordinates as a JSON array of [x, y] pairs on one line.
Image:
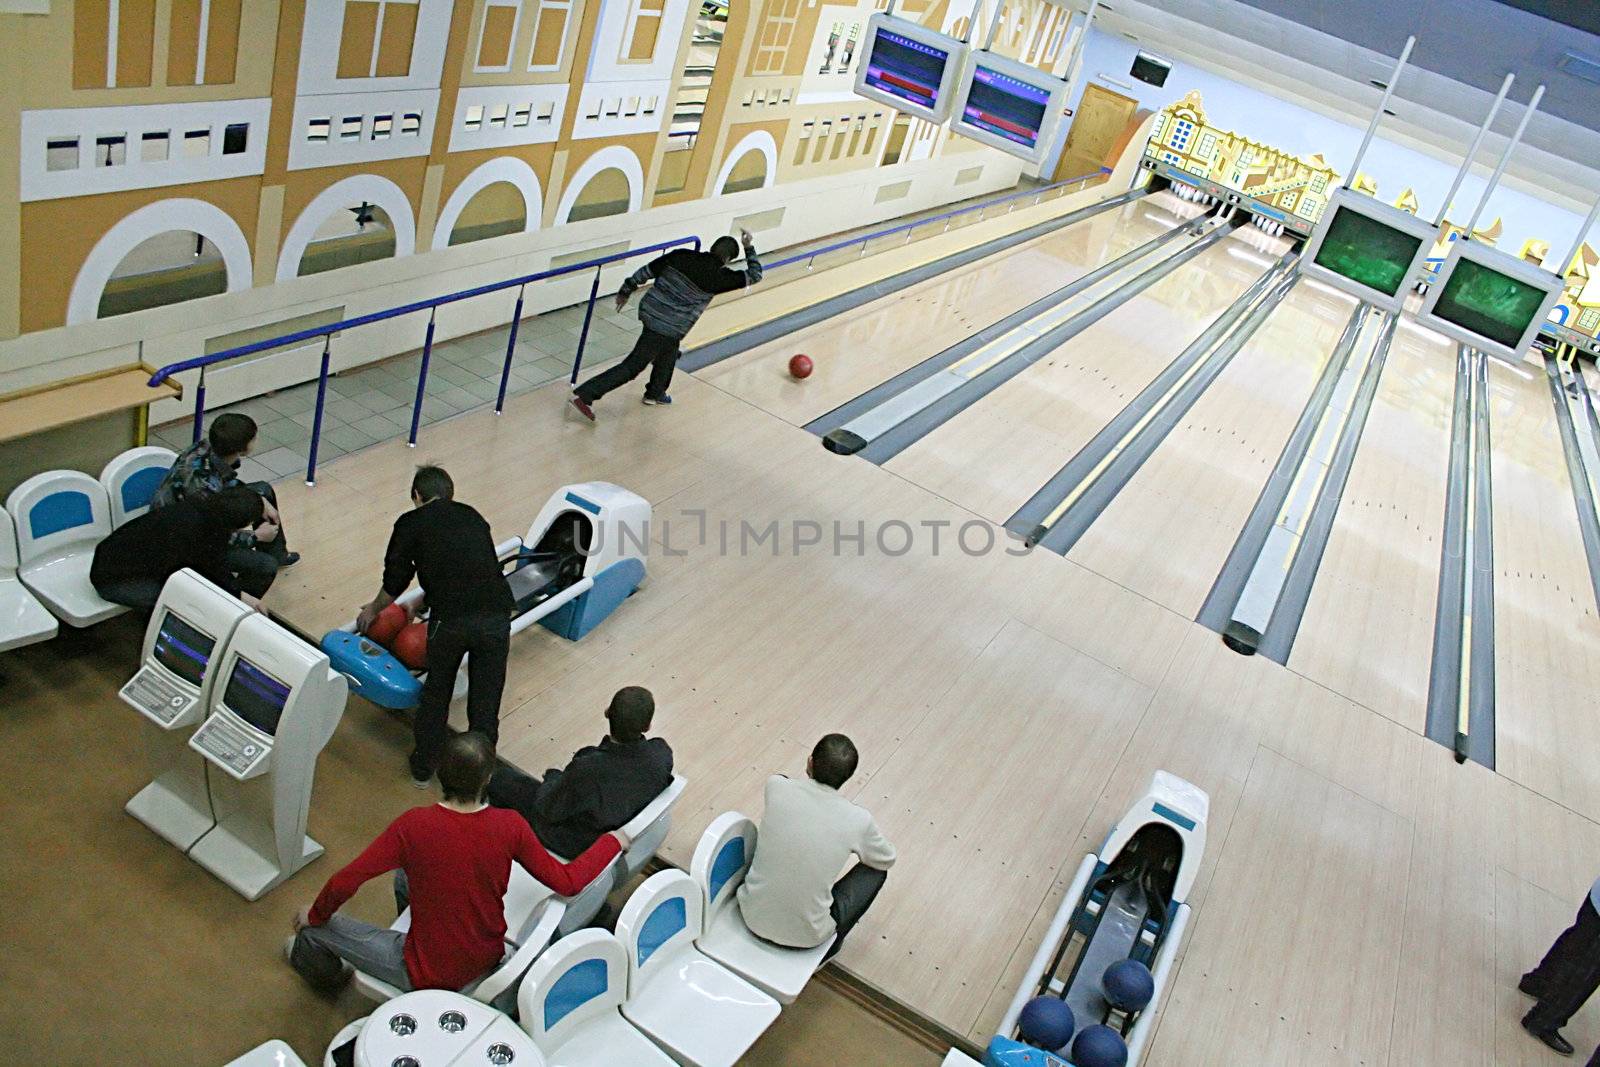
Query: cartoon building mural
[[1184, 138]]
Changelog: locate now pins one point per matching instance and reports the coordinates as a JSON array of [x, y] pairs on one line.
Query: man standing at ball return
[[685, 284], [447, 547]]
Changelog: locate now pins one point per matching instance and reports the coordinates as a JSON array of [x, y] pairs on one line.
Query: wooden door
[[1096, 130]]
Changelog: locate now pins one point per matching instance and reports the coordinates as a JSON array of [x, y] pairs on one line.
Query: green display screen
[[1367, 252], [1490, 304]]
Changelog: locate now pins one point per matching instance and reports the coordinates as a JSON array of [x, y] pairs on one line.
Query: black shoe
[[421, 774], [1552, 1038], [656, 401], [1529, 988], [289, 559]]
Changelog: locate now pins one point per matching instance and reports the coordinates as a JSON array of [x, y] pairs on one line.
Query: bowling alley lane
[[858, 351], [993, 456], [1168, 532], [1546, 630], [1367, 631]]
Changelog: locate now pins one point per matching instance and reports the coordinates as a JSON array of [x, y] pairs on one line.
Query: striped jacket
[[685, 283]]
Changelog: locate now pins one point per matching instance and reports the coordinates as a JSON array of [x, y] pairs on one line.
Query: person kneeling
[[453, 863], [808, 832], [602, 787], [135, 560]]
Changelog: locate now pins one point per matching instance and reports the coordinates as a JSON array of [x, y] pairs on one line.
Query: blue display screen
[[182, 649], [255, 696], [905, 68], [1005, 106]]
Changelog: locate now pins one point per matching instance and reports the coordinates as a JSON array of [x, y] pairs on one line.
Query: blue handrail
[[432, 305], [907, 227]]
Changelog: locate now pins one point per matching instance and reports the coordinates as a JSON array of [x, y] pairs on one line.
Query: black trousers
[[256, 565], [852, 896], [139, 593], [488, 638], [1568, 974], [654, 350]]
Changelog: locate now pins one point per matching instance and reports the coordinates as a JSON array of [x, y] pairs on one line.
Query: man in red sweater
[[453, 861]]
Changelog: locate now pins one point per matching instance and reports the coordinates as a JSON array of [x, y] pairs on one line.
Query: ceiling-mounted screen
[[1368, 249], [1150, 69], [909, 67], [1009, 105], [1491, 300]]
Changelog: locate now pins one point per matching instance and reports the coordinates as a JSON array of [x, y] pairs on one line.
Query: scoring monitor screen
[[906, 69], [1488, 303], [255, 696], [1005, 106], [182, 649], [1367, 252]]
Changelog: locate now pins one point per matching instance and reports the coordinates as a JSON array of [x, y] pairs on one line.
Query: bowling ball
[[1127, 984], [1047, 1023], [411, 646], [390, 621], [800, 366], [1099, 1046]]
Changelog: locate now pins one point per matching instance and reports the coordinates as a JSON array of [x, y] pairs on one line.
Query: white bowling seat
[[521, 951], [718, 867], [131, 479], [645, 832], [23, 620], [60, 516], [700, 1012], [569, 1004]]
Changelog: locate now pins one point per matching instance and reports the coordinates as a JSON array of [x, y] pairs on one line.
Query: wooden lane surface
[[1008, 710], [1167, 534], [993, 456], [880, 339], [1545, 626], [1368, 628]]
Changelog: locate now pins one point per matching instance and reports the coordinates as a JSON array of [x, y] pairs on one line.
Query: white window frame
[[636, 10], [483, 26], [566, 34]]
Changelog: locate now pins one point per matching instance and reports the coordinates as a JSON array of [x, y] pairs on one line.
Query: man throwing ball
[[685, 283]]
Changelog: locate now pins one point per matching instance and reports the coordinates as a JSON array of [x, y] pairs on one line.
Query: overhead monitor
[[1009, 105], [909, 67], [1368, 249], [255, 696], [1491, 300], [1151, 69], [182, 649]]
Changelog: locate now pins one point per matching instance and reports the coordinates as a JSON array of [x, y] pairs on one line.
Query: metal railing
[[432, 305], [1060, 188]]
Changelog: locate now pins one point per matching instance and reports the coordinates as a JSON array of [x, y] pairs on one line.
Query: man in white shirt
[[809, 832], [1566, 977]]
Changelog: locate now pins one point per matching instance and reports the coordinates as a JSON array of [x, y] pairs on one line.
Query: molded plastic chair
[[700, 1012], [23, 620], [569, 1004], [718, 867], [646, 830], [131, 479], [498, 987], [60, 517]]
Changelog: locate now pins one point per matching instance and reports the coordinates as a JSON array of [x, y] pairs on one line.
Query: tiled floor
[[374, 403]]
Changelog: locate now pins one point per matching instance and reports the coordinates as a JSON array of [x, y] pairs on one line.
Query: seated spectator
[[212, 465], [133, 564], [603, 785], [452, 862], [809, 831]]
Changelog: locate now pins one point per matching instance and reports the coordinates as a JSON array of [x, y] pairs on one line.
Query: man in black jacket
[[603, 786], [133, 564], [685, 283], [447, 547]]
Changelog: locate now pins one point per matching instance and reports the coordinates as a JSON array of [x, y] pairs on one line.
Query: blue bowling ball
[[1127, 985], [1047, 1023], [1099, 1046]]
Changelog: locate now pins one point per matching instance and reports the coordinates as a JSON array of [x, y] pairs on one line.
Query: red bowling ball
[[800, 367], [411, 646]]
